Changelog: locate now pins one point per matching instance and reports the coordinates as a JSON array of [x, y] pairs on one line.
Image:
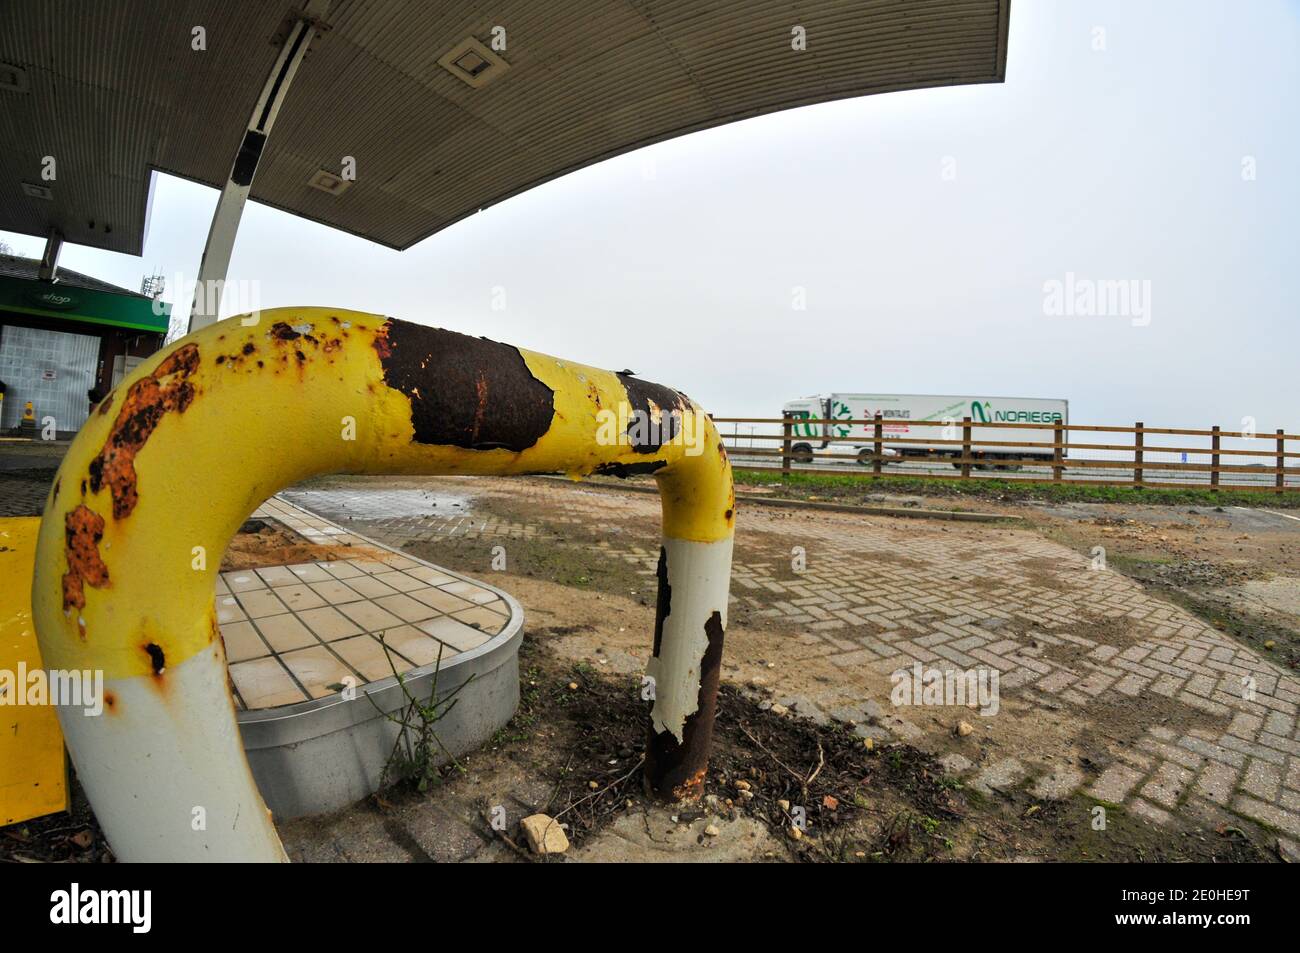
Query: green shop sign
[[79, 304]]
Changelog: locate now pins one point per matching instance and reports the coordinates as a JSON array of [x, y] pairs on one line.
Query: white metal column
[[230, 207]]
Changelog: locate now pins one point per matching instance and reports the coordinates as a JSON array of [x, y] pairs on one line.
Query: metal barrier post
[[173, 461]]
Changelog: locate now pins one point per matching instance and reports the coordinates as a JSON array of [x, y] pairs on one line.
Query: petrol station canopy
[[439, 120]]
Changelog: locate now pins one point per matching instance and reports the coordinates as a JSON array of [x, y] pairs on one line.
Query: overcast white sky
[[679, 261]]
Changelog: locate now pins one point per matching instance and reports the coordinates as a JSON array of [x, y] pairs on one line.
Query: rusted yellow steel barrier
[[177, 457]]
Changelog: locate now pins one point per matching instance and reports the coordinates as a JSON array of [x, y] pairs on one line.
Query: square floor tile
[[369, 566], [454, 633], [277, 576], [228, 610], [263, 683], [396, 561], [442, 601], [260, 602], [483, 618], [367, 656], [285, 632], [300, 597], [371, 587], [467, 590], [399, 581], [242, 642], [341, 570], [319, 671], [417, 646], [369, 616], [310, 572], [328, 624], [406, 608], [429, 575], [335, 592], [243, 580]]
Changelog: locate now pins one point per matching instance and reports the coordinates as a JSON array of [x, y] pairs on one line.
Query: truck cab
[[808, 437]]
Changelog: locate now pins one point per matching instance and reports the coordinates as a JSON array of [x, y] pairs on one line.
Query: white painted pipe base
[[699, 577], [164, 767]]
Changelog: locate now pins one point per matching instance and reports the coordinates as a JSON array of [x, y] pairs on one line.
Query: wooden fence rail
[[876, 450]]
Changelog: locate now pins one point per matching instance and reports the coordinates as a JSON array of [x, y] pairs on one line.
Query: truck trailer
[[898, 409]]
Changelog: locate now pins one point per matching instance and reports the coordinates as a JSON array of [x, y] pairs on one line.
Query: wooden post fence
[[786, 433], [1214, 460], [879, 446], [965, 447], [1137, 453]]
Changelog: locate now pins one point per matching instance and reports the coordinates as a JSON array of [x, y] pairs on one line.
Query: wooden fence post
[[1058, 452], [1281, 460], [965, 447], [786, 434], [879, 446], [1214, 460], [1137, 453]]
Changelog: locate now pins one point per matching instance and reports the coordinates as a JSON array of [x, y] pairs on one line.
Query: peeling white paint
[[186, 723], [700, 577]]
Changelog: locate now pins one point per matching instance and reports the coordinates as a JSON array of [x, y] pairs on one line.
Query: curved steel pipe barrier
[[174, 460]]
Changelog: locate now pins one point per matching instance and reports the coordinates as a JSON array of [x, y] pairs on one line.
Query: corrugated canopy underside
[[114, 90]]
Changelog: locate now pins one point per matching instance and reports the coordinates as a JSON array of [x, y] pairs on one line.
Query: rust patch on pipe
[[167, 389], [651, 403], [676, 771], [464, 391], [625, 470], [157, 660], [83, 528], [663, 600]]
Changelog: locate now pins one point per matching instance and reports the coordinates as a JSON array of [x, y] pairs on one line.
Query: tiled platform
[[305, 631], [299, 636]]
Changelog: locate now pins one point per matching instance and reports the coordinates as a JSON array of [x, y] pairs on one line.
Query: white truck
[[898, 408]]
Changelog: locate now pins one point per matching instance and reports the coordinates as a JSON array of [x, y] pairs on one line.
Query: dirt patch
[[261, 543]]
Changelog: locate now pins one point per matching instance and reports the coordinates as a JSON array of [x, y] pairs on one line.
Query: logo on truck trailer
[[984, 413]]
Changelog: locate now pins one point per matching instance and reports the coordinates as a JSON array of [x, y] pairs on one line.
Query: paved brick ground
[[1222, 738]]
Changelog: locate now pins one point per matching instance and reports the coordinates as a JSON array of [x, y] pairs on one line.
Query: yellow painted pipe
[[172, 462]]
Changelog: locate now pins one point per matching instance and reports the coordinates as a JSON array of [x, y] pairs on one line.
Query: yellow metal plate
[[33, 770]]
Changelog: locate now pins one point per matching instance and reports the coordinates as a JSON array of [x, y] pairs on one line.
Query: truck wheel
[[864, 457], [801, 453]]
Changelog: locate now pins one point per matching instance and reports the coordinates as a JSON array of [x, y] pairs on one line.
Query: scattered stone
[[545, 835], [573, 686], [712, 831], [830, 802], [742, 785], [780, 710], [796, 834], [955, 763], [964, 728], [784, 805]]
